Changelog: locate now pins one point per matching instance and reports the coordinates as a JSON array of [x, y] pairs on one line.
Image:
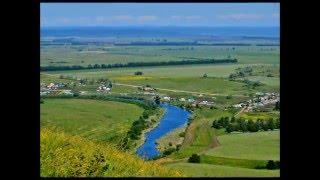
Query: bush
[[273, 165], [182, 134], [195, 158], [168, 151], [138, 73]]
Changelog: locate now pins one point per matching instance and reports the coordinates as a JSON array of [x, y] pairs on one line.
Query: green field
[[208, 170], [98, 120], [256, 146], [104, 54]]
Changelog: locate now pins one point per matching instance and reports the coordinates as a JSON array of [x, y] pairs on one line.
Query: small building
[[166, 98], [182, 99], [191, 100]]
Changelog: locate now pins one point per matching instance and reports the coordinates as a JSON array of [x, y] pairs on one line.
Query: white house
[[182, 99]]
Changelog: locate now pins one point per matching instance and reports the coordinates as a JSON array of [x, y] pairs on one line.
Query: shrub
[[168, 151], [195, 158], [138, 73], [182, 134]]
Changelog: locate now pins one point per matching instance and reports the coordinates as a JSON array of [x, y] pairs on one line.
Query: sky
[[160, 14]]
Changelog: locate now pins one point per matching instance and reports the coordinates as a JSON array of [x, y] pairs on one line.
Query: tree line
[[137, 64], [243, 125]]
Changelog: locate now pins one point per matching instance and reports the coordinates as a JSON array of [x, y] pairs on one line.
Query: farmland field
[[259, 146], [98, 120]]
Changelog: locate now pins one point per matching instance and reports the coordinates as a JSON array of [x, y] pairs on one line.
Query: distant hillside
[[63, 155]]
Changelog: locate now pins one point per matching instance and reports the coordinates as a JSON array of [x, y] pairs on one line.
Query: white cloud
[[241, 16]]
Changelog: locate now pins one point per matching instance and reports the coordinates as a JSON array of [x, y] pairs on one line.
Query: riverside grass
[[63, 155]]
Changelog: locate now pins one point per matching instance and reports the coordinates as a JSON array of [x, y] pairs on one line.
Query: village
[[261, 100]]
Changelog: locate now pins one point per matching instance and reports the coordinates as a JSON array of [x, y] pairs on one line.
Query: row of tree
[[137, 64], [243, 125]]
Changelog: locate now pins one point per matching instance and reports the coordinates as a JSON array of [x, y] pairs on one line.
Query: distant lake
[[173, 118]]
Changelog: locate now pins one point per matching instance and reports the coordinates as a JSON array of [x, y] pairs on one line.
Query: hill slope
[[66, 155]]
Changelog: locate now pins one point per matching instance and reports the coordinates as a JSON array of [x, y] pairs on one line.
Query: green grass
[[62, 155], [125, 54], [99, 120], [255, 146], [260, 115], [244, 163], [209, 170]]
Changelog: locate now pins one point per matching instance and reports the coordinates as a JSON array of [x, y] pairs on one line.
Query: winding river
[[173, 118]]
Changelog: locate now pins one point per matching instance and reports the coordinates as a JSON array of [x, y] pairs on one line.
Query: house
[[67, 92], [182, 99], [103, 88], [191, 100], [148, 89], [166, 98]]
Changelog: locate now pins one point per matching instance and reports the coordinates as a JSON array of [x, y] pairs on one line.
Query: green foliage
[[138, 64], [169, 151], [195, 158], [243, 125], [157, 100]]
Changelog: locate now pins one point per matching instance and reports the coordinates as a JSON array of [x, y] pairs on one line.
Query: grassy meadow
[[256, 146], [99, 120], [209, 170]]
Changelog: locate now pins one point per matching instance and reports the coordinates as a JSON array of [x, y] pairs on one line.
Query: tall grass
[[63, 155]]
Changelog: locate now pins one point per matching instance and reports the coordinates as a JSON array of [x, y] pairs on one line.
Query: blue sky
[[160, 14]]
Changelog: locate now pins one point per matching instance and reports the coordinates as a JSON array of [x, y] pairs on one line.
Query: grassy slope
[[99, 120], [65, 155], [209, 170], [257, 146]]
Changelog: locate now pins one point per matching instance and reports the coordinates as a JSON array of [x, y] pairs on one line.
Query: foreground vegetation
[[62, 155]]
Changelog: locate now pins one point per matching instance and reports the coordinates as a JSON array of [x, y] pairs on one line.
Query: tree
[[243, 125], [157, 100], [271, 124], [277, 124], [205, 75], [277, 106], [271, 165], [229, 128], [216, 124], [252, 126], [195, 158]]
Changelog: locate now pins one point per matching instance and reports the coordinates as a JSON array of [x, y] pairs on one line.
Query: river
[[173, 118]]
